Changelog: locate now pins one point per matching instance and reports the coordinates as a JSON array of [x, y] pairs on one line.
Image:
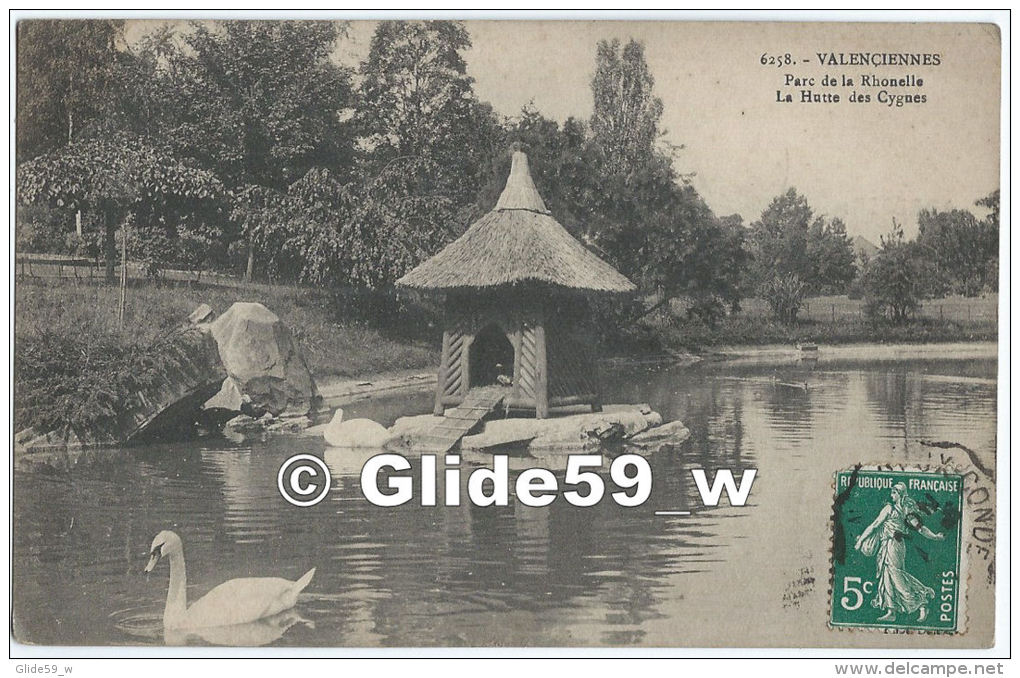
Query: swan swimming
[[237, 601]]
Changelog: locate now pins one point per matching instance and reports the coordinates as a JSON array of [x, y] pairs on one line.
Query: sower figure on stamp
[[896, 590]]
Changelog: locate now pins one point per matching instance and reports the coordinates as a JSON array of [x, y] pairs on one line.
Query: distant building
[[864, 249]]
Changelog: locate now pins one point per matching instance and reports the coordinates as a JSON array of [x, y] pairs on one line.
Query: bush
[[707, 309], [785, 296], [621, 325], [84, 380], [41, 229]]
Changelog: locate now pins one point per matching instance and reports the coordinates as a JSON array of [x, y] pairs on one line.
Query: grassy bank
[[833, 320], [74, 364], [334, 331]]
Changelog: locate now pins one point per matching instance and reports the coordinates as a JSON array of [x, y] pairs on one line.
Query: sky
[[866, 163]]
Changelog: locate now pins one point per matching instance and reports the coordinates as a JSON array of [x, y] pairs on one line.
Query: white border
[[1004, 473]]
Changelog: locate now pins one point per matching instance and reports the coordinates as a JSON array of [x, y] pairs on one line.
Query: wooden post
[[596, 405], [110, 243], [541, 373], [516, 337], [249, 270], [123, 275], [465, 363], [443, 372]]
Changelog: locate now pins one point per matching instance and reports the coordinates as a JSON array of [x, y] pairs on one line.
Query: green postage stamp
[[896, 550]]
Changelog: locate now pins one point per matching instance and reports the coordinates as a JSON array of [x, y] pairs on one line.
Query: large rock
[[263, 360], [658, 438], [569, 433]]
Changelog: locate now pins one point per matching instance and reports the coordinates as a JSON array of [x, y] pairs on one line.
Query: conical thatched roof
[[517, 242]]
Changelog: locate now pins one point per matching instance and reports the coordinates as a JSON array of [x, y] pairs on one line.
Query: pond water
[[506, 576]]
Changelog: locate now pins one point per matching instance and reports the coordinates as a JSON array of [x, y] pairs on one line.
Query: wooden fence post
[[123, 277]]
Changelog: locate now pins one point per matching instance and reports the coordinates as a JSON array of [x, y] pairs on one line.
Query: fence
[[55, 266], [47, 266]]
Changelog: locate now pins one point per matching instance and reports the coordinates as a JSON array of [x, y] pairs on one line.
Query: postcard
[[443, 333]]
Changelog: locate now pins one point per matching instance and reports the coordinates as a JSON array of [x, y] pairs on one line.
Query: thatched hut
[[516, 285]]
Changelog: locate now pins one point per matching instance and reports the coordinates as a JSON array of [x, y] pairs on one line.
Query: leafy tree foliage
[[638, 214], [789, 238], [417, 101], [67, 81], [961, 248], [326, 232], [255, 102], [894, 280], [832, 256], [625, 119], [114, 177], [258, 103], [991, 201], [645, 218], [267, 146]]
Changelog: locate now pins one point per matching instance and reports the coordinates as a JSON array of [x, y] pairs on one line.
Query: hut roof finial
[[520, 192]]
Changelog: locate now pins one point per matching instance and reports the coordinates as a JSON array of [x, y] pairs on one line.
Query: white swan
[[237, 601], [354, 433]]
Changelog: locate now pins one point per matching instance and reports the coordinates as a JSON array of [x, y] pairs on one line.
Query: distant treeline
[[246, 145]]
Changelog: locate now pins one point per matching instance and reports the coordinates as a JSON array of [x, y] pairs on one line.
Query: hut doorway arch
[[491, 354]]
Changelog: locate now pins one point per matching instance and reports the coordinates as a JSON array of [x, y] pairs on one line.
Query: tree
[[324, 231], [563, 165], [894, 279], [427, 144], [959, 246], [416, 101], [67, 80], [115, 177], [637, 212], [789, 239], [991, 201], [831, 254], [258, 103], [779, 238], [625, 118], [692, 253]]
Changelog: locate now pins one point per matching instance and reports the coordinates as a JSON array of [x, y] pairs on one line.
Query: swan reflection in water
[[253, 634]]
